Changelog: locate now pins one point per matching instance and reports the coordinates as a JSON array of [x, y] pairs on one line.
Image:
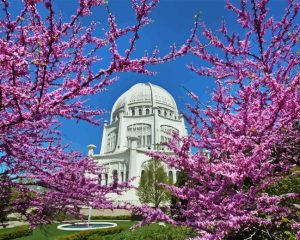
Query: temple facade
[[141, 119]]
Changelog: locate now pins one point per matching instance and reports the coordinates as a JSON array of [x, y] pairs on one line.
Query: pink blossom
[[46, 69], [234, 142]]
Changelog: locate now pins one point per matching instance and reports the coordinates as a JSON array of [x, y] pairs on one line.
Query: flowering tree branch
[[47, 67], [255, 109]]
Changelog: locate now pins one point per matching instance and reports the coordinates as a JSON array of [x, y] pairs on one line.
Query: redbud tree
[[48, 65], [255, 108]]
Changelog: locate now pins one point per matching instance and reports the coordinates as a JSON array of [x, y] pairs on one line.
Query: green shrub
[[13, 219], [282, 230], [132, 217], [16, 232], [154, 232], [135, 217], [92, 234]]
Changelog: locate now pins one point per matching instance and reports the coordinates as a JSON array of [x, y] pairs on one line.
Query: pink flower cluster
[[255, 110], [47, 67]]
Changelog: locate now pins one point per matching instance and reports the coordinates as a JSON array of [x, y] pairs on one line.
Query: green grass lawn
[[50, 232]]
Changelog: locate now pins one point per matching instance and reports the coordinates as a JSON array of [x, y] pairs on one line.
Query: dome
[[145, 94]]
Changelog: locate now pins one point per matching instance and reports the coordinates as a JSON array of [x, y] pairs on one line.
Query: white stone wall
[[120, 151]]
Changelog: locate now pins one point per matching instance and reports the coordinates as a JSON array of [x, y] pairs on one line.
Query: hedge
[[154, 232], [119, 217], [92, 234], [16, 232]]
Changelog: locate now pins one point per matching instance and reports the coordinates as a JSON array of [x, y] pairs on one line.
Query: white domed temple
[[140, 121]]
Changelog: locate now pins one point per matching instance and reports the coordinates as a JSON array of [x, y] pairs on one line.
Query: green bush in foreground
[[281, 231], [92, 234], [154, 232], [16, 232]]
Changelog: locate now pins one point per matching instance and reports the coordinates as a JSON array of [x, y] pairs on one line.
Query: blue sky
[[173, 20]]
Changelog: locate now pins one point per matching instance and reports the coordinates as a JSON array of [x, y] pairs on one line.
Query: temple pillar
[[133, 166], [120, 145], [103, 143]]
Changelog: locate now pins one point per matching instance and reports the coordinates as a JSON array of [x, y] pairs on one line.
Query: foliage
[[60, 216], [151, 189], [154, 232], [50, 231], [92, 234], [48, 66], [176, 203], [254, 109], [132, 217], [290, 183], [16, 232], [282, 231]]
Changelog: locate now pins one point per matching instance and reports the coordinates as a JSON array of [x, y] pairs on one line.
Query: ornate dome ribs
[[142, 98]]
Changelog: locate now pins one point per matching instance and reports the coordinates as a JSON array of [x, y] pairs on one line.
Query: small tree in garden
[[151, 189], [254, 109], [47, 66]]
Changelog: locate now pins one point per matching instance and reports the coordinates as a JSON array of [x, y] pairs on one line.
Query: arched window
[[106, 178], [166, 113], [132, 112], [111, 141], [140, 112], [167, 131], [170, 177], [142, 132], [143, 172], [159, 111], [147, 111]]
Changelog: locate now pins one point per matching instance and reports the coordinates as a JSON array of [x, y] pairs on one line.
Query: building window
[[143, 172], [144, 141], [99, 179], [148, 140], [159, 111], [132, 112], [115, 175], [166, 113], [122, 176], [111, 141], [106, 178], [166, 133], [147, 111], [140, 112], [142, 132]]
